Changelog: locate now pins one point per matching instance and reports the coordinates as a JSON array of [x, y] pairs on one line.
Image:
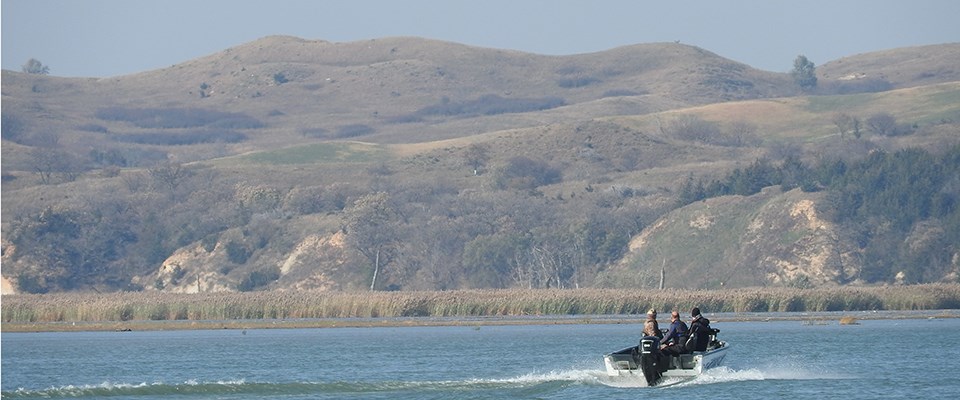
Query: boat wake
[[727, 374], [770, 373], [529, 384]]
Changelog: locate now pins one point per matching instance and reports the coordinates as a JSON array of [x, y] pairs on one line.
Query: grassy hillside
[[250, 168]]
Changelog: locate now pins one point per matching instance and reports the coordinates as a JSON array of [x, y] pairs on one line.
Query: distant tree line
[[172, 118], [182, 138], [490, 104]]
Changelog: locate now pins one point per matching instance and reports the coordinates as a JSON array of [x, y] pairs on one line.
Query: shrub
[[577, 81], [12, 127], [168, 118], [621, 93], [112, 157], [209, 242], [315, 132], [526, 173], [691, 127], [182, 138], [237, 253], [258, 279], [93, 128], [885, 124], [353, 130], [490, 104]]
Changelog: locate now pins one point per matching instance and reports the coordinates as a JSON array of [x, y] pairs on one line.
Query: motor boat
[[646, 359]]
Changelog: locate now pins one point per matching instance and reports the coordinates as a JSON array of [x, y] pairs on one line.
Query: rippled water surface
[[904, 358]]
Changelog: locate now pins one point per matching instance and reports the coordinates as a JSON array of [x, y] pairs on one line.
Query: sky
[[103, 38]]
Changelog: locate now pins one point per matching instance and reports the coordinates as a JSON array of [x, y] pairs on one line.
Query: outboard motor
[[650, 359], [714, 343]]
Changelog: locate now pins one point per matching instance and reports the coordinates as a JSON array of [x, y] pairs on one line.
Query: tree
[[692, 127], [12, 127], [53, 163], [170, 176], [489, 259], [34, 66], [476, 157], [883, 124], [522, 172], [371, 230], [743, 133], [804, 73], [846, 123]]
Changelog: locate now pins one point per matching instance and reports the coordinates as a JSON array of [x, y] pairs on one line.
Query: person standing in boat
[[699, 332], [674, 339], [651, 327]]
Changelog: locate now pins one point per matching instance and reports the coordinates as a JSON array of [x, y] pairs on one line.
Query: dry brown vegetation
[[216, 170], [285, 305]]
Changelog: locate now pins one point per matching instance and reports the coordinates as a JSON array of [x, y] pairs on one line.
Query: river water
[[902, 358]]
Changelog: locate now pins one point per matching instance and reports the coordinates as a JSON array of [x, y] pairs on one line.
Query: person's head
[[675, 316], [652, 313], [695, 312]]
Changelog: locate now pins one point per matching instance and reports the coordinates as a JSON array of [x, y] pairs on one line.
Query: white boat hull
[[623, 363]]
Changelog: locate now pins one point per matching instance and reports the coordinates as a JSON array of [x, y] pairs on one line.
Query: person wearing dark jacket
[[699, 332], [673, 341]]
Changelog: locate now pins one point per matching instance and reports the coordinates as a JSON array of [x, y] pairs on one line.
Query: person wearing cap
[[651, 327], [699, 332], [673, 340]]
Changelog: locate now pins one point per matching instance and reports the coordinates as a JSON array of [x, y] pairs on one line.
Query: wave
[[726, 374], [110, 389], [538, 381], [767, 373], [258, 389]]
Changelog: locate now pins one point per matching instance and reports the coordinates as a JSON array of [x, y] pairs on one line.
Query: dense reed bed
[[154, 306]]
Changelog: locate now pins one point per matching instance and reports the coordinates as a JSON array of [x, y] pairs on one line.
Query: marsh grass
[[155, 306]]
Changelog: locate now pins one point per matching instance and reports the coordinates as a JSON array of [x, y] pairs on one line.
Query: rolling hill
[[243, 170]]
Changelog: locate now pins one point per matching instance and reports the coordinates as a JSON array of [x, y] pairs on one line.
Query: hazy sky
[[101, 38]]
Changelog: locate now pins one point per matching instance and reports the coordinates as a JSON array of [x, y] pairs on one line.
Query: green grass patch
[[940, 107], [318, 153], [826, 104], [949, 98]]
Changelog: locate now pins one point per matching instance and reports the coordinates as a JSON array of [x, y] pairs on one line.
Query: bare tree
[[694, 128], [55, 163], [743, 133], [170, 176], [882, 123], [846, 123]]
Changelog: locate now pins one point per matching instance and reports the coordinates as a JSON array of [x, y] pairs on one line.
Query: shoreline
[[817, 318]]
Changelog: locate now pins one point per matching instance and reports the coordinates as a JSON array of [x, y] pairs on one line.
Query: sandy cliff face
[[772, 238], [6, 287], [313, 263], [809, 248]]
